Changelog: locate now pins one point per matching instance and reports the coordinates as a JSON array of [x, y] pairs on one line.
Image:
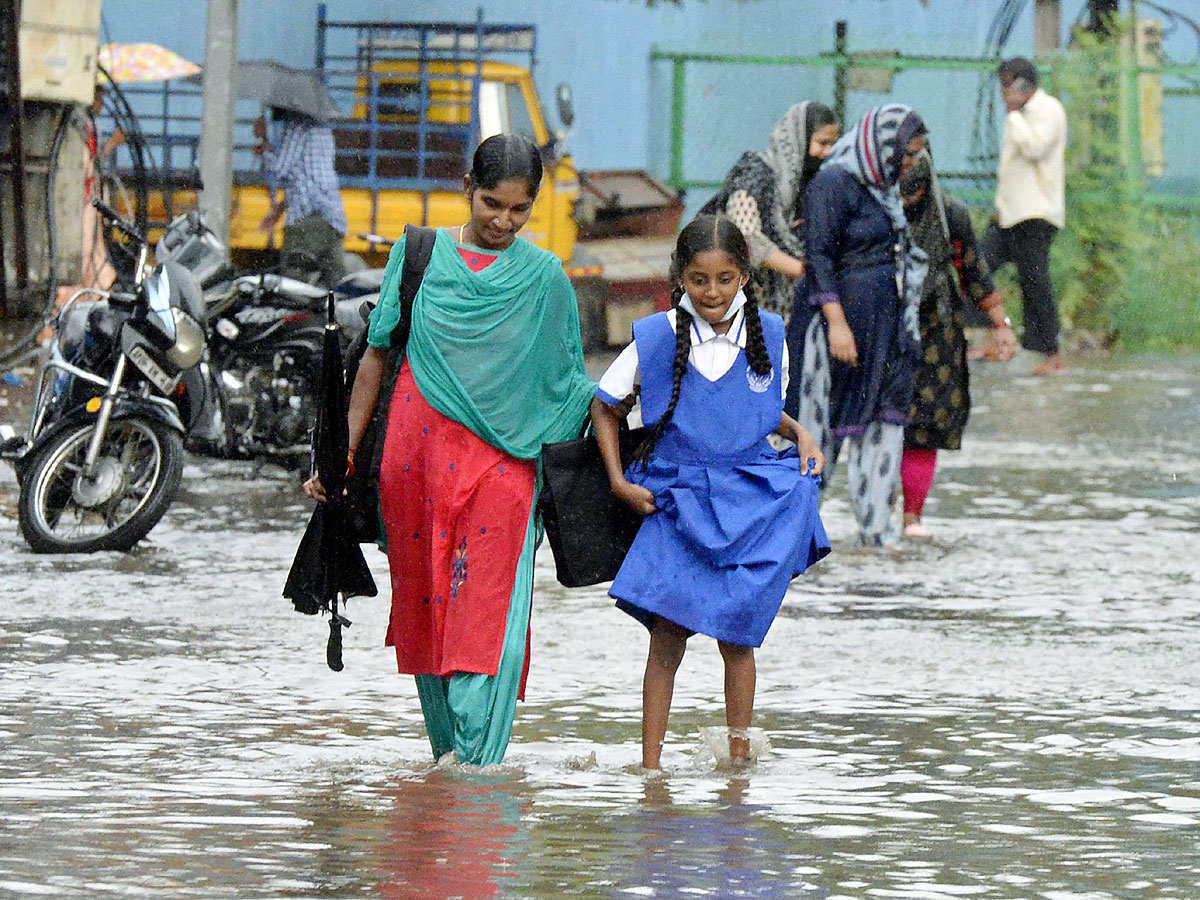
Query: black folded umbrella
[[329, 563]]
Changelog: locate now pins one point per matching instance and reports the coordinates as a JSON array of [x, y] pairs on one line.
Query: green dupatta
[[497, 350]]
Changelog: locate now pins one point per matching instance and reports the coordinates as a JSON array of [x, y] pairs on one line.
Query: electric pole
[[217, 115], [1047, 27]]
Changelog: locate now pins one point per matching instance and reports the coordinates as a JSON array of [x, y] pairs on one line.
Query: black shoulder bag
[[588, 528], [362, 489]]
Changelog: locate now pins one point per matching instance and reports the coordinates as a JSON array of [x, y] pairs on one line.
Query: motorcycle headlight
[[189, 340]]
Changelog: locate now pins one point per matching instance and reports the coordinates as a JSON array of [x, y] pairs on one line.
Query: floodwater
[[1011, 711]]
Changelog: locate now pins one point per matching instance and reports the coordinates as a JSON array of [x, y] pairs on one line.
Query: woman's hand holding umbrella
[[316, 491]]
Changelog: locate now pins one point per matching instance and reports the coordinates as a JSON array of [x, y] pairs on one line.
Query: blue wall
[[602, 48]]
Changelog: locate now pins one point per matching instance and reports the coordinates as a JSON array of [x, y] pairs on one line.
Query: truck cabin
[[419, 126]]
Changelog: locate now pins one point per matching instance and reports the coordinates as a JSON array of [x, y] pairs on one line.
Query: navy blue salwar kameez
[[852, 261], [856, 242]]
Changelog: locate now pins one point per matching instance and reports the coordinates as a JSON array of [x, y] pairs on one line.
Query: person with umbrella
[[492, 370], [303, 165]]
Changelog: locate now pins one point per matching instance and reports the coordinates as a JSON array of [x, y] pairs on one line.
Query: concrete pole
[[1047, 27], [217, 115]]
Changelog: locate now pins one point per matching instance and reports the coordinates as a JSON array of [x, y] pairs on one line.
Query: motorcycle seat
[[281, 284], [356, 284]]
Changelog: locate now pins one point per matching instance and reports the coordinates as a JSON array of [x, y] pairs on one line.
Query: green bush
[[1161, 313], [1124, 271], [1095, 252]]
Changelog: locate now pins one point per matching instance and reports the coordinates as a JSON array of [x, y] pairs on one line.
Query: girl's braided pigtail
[[683, 348]]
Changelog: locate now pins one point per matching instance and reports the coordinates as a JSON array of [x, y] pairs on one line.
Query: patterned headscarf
[[873, 150], [872, 153], [787, 150], [927, 215]]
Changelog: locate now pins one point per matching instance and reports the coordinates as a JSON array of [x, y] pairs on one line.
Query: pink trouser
[[916, 474]]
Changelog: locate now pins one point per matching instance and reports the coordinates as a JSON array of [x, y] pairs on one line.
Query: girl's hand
[[841, 343], [809, 451], [316, 490], [636, 497]]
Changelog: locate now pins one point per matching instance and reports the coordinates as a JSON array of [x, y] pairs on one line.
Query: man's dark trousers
[[1028, 245], [323, 245]]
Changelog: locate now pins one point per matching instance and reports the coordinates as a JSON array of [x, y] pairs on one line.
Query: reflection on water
[[452, 837], [1009, 711]]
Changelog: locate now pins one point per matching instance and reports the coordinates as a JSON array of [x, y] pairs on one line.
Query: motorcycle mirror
[[566, 104]]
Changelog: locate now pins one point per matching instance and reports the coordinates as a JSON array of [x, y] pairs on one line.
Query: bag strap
[[418, 249]]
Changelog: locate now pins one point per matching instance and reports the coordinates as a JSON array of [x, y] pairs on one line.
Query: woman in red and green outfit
[[493, 370]]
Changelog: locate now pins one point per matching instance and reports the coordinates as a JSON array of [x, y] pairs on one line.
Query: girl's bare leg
[[740, 677], [667, 645]]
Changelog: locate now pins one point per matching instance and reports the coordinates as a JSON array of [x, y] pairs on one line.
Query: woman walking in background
[[764, 196], [857, 311], [941, 226]]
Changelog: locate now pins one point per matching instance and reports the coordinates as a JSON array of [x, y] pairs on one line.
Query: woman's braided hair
[[701, 234]]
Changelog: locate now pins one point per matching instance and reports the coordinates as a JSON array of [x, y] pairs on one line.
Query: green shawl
[[498, 350]]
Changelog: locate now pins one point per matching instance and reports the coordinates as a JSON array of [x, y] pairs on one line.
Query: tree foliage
[[1096, 251]]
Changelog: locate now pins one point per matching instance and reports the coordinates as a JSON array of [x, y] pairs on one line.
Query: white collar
[[701, 332]]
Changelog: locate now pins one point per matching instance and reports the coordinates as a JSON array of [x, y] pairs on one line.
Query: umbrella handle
[[333, 648], [331, 321]]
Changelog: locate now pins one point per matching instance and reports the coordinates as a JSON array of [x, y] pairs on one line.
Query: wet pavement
[[1009, 711]]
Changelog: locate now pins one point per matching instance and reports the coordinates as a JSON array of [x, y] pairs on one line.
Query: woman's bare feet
[[914, 530]]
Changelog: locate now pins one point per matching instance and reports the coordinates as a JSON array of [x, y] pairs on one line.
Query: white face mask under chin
[[739, 300]]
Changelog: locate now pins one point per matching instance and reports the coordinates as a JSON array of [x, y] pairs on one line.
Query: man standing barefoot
[[1030, 202]]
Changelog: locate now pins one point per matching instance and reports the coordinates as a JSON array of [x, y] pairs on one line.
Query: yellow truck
[[421, 96], [417, 98]]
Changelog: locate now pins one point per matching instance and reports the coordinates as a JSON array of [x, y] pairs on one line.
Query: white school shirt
[[712, 354]]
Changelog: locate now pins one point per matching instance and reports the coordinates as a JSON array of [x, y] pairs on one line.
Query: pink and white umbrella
[[143, 62]]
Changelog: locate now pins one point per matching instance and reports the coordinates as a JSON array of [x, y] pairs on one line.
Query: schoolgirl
[[729, 521]]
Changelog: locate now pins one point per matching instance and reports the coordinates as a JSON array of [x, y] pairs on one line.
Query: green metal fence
[[1143, 286], [687, 105]]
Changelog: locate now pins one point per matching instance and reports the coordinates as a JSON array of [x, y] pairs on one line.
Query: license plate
[[151, 369]]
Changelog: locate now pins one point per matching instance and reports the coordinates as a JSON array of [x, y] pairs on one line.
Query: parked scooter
[[103, 455], [265, 334]]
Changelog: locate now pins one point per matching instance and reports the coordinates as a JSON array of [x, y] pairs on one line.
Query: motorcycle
[[265, 336], [103, 456]]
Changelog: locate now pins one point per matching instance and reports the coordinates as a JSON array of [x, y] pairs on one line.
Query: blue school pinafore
[[736, 520]]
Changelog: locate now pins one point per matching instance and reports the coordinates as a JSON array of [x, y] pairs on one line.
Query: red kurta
[[456, 510]]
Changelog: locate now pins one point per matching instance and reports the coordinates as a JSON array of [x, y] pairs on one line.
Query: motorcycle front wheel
[[63, 510]]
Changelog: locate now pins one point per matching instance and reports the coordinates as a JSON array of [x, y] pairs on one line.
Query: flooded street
[[1010, 711]]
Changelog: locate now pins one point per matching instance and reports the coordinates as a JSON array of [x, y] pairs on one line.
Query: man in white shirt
[[1030, 202]]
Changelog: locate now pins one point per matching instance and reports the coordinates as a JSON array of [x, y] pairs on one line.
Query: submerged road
[[1010, 711]]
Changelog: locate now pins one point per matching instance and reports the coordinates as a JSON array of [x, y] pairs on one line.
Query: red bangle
[[349, 466]]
